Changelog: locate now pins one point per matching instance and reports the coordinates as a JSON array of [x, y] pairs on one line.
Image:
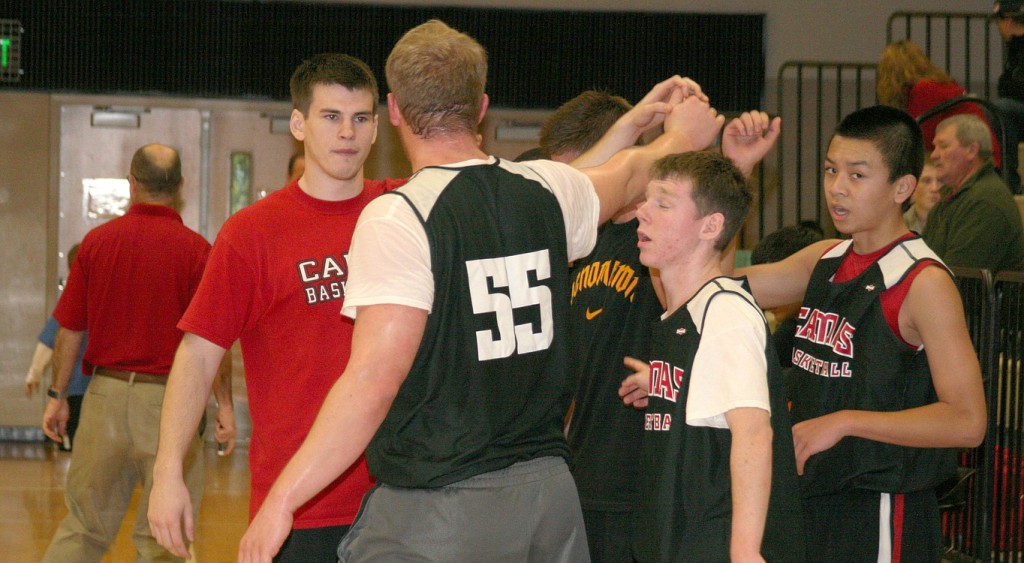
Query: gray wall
[[25, 227]]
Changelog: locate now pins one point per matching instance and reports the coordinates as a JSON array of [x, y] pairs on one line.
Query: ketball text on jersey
[[827, 329]]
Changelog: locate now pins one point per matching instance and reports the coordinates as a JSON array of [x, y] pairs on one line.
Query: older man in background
[[976, 224], [131, 282]]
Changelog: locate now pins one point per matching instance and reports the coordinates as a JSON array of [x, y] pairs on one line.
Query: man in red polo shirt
[[131, 282]]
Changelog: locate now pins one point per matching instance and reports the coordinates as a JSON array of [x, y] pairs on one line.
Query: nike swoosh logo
[[592, 314]]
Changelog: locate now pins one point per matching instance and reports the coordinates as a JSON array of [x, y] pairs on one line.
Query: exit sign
[[10, 50]]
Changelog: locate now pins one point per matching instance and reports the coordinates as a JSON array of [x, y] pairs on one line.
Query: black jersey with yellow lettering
[[846, 356], [685, 508], [611, 312], [488, 386]]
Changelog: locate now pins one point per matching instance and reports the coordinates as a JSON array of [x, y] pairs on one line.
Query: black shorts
[[609, 535], [312, 545], [871, 526]]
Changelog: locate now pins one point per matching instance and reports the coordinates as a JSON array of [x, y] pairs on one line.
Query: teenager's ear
[[712, 226], [296, 124], [905, 186]]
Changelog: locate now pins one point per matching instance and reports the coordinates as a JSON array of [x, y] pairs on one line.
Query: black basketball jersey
[[685, 510], [611, 312], [846, 356], [488, 386]]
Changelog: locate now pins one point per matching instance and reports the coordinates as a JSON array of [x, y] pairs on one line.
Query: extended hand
[[634, 388], [696, 121], [748, 138], [55, 419], [224, 432], [265, 536], [170, 515], [815, 436], [31, 383], [650, 111]]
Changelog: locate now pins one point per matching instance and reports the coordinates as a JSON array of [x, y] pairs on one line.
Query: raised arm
[[384, 345], [783, 282], [748, 138], [647, 114], [196, 364], [932, 314], [691, 125]]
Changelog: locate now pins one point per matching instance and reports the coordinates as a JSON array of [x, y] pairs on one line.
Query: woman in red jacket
[[908, 80]]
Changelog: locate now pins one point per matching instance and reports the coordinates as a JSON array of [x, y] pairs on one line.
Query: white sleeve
[[581, 208], [730, 369], [389, 259]]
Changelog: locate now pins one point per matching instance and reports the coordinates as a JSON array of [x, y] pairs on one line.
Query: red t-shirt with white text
[[276, 282]]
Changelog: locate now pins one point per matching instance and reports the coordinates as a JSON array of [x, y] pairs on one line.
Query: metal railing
[[967, 529], [965, 45], [987, 523], [1004, 442], [813, 96]]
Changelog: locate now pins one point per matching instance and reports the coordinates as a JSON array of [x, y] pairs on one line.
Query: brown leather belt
[[131, 376]]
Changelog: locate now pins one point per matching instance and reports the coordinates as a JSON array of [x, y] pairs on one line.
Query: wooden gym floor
[[32, 505]]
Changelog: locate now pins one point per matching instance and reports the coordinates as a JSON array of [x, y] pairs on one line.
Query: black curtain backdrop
[[219, 49]]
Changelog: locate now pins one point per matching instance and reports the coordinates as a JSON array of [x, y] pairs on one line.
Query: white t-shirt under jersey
[[389, 260]]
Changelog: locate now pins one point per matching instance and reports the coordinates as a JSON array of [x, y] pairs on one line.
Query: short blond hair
[[438, 76]]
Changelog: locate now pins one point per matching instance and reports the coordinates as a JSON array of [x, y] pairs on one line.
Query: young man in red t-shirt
[[276, 281]]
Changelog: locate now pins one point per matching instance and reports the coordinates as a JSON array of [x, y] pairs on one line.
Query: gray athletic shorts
[[529, 511]]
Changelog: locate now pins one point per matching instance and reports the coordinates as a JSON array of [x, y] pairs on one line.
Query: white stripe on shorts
[[885, 528]]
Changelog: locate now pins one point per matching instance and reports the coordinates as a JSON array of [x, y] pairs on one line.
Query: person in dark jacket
[[1009, 15]]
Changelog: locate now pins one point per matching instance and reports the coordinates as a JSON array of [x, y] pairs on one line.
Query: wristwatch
[[55, 394]]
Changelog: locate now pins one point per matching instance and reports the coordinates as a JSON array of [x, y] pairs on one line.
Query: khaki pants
[[115, 448]]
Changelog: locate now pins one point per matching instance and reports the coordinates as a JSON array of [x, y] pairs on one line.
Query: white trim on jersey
[[896, 263], [837, 250], [901, 259], [430, 182], [389, 260]]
